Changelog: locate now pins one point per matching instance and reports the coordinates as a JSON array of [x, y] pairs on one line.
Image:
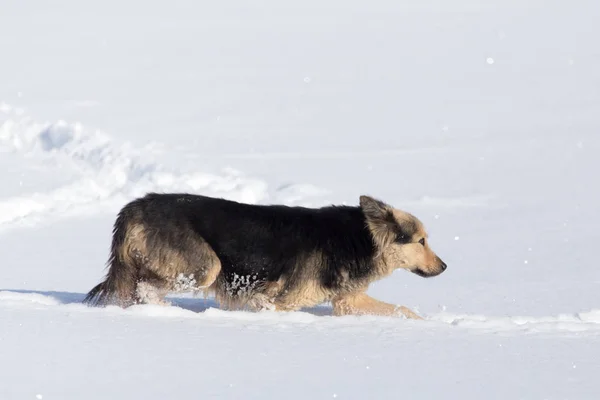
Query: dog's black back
[[266, 242]]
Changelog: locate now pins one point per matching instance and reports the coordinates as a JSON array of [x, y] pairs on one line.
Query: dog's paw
[[408, 313]]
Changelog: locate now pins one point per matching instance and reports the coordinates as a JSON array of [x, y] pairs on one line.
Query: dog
[[260, 257]]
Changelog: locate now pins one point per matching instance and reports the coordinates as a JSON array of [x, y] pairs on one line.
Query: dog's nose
[[444, 266]]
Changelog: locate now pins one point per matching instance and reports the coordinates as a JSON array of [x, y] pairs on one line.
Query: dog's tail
[[119, 284]]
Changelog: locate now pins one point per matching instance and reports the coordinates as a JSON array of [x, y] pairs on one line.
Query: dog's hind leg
[[362, 304], [151, 288], [191, 266], [146, 293]]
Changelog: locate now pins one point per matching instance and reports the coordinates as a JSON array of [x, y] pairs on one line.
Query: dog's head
[[400, 239]]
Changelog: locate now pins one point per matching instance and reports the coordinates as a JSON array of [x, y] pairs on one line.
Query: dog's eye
[[422, 241], [401, 239]]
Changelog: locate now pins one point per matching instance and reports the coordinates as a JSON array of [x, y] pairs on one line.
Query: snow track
[[107, 173]]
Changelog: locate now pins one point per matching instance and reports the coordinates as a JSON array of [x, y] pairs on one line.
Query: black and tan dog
[[262, 256]]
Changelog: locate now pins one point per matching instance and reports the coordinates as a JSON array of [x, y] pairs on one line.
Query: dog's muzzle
[[428, 274]]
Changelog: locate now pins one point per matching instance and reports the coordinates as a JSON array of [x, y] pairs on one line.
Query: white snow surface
[[482, 118]]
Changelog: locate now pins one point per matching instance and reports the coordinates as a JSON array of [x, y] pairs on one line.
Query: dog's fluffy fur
[[261, 256]]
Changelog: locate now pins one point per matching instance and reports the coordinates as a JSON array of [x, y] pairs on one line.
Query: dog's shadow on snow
[[194, 304], [200, 305]]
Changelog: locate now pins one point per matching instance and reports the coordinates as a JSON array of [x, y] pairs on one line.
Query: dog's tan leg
[[362, 304]]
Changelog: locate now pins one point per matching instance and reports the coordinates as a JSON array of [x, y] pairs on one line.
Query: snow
[[479, 117], [69, 350]]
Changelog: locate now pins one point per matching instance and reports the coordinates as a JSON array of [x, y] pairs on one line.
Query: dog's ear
[[373, 208], [380, 220]]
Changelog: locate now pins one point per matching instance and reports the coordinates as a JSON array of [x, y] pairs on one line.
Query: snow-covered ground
[[482, 118]]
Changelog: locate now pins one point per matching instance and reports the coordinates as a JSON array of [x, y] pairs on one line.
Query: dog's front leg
[[362, 304]]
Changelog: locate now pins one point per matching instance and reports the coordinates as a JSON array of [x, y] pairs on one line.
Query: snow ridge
[[108, 173], [578, 322], [581, 322]]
